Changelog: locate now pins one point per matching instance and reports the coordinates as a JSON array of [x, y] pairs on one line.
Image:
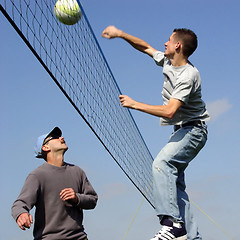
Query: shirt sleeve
[[27, 197], [183, 89], [159, 58], [88, 198]]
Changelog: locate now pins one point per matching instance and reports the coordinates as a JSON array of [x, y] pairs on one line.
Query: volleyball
[[67, 11]]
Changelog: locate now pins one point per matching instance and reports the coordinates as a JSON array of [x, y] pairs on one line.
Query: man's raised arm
[[137, 43]]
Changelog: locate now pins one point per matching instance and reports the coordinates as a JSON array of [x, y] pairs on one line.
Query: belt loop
[[202, 123]]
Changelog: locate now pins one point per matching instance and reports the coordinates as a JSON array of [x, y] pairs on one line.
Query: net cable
[[74, 60]]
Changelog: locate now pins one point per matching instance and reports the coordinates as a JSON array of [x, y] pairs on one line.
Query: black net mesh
[[73, 58]]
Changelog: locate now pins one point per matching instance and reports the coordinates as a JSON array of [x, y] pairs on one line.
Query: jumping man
[[183, 108]]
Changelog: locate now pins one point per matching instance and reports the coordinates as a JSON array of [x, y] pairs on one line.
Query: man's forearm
[[156, 110], [139, 44], [166, 111]]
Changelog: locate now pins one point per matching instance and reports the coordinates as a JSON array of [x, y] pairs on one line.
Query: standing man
[[59, 191], [184, 109]]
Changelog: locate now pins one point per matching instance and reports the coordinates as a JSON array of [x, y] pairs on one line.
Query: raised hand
[[111, 32]]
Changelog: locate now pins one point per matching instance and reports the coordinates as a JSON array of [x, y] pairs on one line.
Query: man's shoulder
[[159, 58], [191, 71], [191, 67], [35, 175], [74, 167], [38, 170]]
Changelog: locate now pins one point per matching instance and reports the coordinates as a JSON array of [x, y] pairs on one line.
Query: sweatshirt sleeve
[[88, 197], [27, 197]]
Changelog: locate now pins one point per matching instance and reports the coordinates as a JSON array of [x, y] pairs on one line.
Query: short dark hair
[[188, 39], [44, 155]]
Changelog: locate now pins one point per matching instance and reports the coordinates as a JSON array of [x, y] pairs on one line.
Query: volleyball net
[[73, 58]]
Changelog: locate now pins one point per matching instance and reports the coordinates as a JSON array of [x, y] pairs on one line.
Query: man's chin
[[65, 149]]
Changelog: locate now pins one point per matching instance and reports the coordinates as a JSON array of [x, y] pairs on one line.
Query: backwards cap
[[38, 146]]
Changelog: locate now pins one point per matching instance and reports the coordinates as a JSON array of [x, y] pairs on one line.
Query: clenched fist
[[68, 194], [24, 220], [111, 32]]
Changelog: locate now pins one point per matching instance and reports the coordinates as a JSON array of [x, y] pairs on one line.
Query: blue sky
[[31, 104]]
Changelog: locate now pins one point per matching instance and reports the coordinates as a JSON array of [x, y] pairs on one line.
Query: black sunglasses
[[51, 138]]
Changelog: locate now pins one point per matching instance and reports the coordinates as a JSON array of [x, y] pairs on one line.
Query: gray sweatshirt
[[54, 218]]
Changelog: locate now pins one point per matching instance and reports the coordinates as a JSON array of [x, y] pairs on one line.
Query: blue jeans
[[168, 168]]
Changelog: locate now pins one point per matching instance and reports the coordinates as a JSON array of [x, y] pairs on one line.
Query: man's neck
[[179, 62], [56, 160]]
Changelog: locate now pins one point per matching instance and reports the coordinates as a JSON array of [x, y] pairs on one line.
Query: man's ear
[[178, 45], [45, 148]]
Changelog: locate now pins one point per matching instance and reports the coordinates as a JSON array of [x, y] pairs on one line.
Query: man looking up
[[59, 191]]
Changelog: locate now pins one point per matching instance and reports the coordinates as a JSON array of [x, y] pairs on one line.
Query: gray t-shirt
[[54, 218], [182, 83]]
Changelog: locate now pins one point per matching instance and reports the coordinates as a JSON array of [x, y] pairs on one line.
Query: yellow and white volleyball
[[67, 11]]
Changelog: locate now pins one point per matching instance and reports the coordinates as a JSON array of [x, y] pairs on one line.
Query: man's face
[[170, 46], [56, 143]]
